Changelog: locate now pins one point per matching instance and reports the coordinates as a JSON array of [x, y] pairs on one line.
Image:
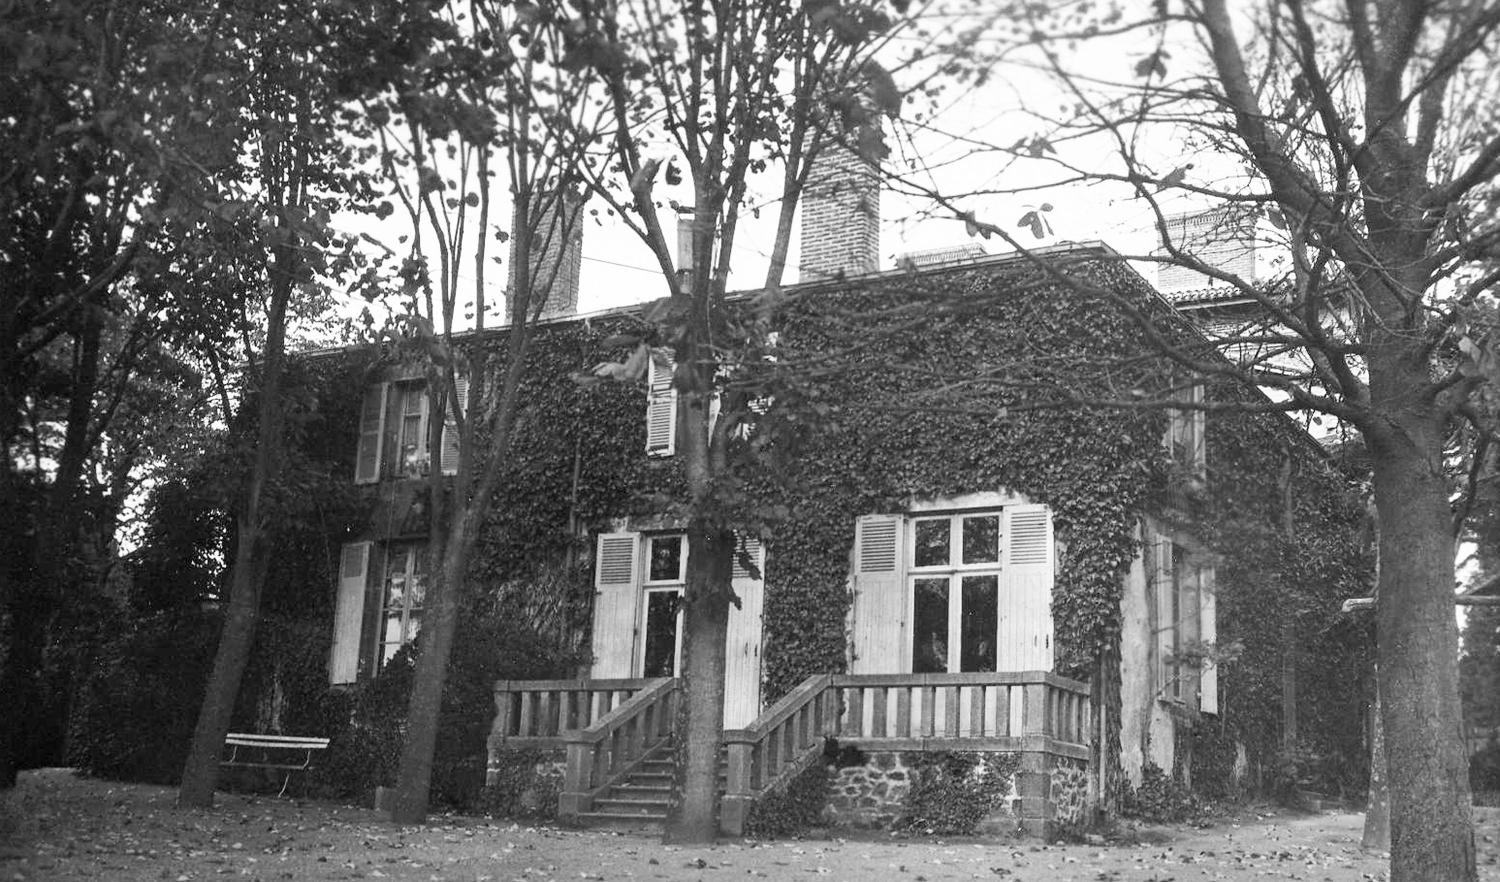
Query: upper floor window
[[394, 431], [1186, 439]]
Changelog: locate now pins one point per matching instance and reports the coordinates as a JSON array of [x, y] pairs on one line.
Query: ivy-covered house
[[1054, 606]]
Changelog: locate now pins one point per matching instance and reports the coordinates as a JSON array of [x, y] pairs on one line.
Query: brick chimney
[[840, 216], [557, 257]]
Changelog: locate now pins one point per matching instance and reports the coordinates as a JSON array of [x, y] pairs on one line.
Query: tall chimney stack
[[840, 216], [557, 256]]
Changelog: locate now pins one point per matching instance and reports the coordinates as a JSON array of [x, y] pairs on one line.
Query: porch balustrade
[[537, 713], [609, 726]]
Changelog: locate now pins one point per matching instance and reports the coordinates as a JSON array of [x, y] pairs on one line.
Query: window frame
[[415, 565], [955, 571], [650, 586]]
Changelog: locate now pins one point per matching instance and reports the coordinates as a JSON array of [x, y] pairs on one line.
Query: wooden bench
[[290, 752]]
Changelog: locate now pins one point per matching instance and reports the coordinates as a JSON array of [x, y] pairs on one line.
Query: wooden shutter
[[1162, 587], [880, 642], [742, 646], [451, 435], [616, 594], [371, 435], [349, 612], [1026, 574], [661, 406], [1208, 631]]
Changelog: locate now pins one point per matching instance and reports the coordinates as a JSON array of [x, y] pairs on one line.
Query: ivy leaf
[[674, 175], [1155, 63], [883, 89], [1174, 178]]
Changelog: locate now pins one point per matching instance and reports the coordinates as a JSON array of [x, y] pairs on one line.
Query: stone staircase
[[639, 799]]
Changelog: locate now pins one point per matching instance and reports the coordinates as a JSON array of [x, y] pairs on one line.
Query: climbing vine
[[863, 417]]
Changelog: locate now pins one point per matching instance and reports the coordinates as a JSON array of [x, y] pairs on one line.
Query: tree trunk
[[1377, 835], [200, 774], [694, 816], [1432, 834], [425, 705]]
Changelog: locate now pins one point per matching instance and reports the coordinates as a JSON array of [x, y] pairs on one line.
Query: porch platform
[[604, 729]]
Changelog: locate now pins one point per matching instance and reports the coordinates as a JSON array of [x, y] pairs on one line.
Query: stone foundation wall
[[1070, 794], [871, 794], [1044, 794]]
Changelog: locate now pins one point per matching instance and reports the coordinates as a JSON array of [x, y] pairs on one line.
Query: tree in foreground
[[490, 103], [1362, 137], [297, 169], [704, 99]]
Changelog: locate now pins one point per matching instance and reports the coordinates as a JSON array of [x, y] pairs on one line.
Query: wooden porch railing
[[1027, 711], [536, 713], [615, 743], [608, 726]]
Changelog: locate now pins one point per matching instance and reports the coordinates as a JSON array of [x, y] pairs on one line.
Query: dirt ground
[[56, 826]]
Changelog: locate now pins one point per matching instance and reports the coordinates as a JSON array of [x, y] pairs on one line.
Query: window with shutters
[[954, 573], [955, 590], [393, 431], [408, 411], [403, 597]]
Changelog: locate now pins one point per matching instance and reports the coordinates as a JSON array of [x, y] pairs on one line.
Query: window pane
[[932, 543], [982, 539], [929, 650], [661, 634], [413, 625], [981, 623], [395, 591], [418, 590], [666, 559], [392, 630]]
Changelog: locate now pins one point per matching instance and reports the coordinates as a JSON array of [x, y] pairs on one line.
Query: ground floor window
[[403, 596], [954, 569]]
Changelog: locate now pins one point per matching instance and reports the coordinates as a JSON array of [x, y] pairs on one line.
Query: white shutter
[[1026, 575], [349, 612], [371, 435], [742, 646], [617, 591], [1208, 631], [451, 435], [880, 642], [1163, 587], [661, 406]]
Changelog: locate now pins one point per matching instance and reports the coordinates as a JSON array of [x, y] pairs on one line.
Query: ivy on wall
[[865, 431]]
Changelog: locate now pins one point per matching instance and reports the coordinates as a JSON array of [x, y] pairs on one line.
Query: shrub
[[952, 791], [1160, 799], [793, 809], [138, 705], [491, 644]]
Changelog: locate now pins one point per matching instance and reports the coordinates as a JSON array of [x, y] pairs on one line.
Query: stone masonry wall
[[1044, 796]]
